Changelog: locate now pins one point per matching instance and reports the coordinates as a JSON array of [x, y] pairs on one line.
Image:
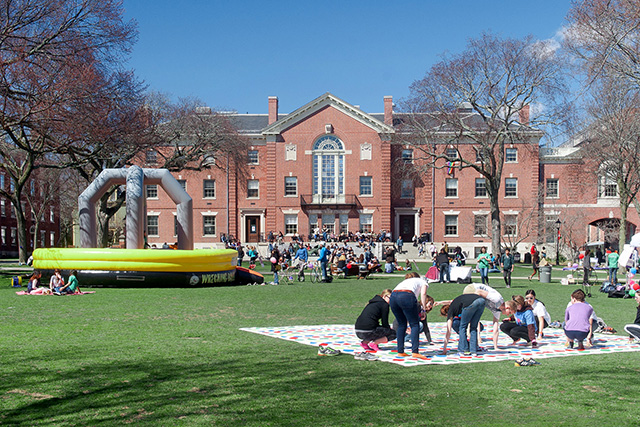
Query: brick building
[[328, 164]]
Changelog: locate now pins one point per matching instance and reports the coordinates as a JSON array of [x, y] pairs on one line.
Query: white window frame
[[449, 223], [557, 188], [483, 220], [507, 157], [153, 230], [366, 223], [151, 190], [253, 186], [290, 186], [290, 224], [406, 189], [253, 157], [451, 186], [208, 229], [509, 188], [510, 225], [208, 186], [484, 182], [365, 186]]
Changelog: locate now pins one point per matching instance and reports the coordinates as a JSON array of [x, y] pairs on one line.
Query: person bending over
[[633, 329], [404, 305], [522, 325], [372, 326], [469, 308]]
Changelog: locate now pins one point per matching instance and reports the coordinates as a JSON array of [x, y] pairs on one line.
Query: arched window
[[328, 169]]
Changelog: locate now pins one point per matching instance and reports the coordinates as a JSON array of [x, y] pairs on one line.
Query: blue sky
[[234, 54]]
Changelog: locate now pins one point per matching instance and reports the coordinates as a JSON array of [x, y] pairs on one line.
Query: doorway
[[252, 228], [407, 227]]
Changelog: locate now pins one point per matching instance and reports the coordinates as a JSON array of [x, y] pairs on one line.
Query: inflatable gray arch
[[135, 178]]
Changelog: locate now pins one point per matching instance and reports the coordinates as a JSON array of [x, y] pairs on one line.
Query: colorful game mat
[[343, 338]]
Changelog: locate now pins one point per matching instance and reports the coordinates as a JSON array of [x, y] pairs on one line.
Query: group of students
[[57, 285], [526, 319]]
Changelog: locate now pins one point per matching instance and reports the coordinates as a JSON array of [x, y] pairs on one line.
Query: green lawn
[[176, 357]]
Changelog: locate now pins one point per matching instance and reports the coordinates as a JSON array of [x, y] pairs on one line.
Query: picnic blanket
[[76, 293], [343, 338]]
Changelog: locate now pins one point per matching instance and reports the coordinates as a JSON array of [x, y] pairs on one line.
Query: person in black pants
[[442, 263]]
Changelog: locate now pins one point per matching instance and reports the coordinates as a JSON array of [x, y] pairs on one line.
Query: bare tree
[[613, 138], [51, 51], [605, 36], [469, 106]]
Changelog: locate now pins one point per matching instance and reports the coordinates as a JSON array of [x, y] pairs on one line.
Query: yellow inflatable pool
[[141, 267]]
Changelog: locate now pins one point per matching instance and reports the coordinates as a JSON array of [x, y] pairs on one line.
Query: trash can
[[545, 274]]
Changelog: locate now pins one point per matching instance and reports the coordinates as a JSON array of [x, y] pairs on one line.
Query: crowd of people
[[525, 319]]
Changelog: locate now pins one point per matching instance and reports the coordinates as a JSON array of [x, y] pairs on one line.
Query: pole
[[558, 223]]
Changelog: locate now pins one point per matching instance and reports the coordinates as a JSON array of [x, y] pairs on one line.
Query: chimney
[[388, 110], [273, 109], [524, 115]]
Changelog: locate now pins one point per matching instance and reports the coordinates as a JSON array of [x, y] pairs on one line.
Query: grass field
[[176, 357]]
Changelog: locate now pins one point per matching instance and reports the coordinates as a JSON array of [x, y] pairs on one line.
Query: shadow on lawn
[[246, 390]]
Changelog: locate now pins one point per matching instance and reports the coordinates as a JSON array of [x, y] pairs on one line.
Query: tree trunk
[[495, 223], [21, 225]]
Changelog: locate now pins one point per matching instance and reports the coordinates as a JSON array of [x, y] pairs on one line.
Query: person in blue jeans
[[612, 259], [323, 257], [483, 265], [469, 308], [404, 305]]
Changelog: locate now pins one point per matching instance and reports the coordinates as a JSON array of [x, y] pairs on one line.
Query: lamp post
[[558, 224]]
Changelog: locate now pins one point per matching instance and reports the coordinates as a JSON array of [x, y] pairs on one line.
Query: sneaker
[[327, 351], [461, 354], [365, 356], [373, 346], [365, 345], [402, 355], [533, 362], [419, 356]]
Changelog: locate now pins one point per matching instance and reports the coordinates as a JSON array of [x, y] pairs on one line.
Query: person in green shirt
[[506, 260], [72, 285], [483, 265], [613, 258]]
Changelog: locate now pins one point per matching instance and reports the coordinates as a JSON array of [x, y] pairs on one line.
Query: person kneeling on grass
[[578, 320], [372, 326], [633, 329], [469, 308], [522, 324], [72, 286]]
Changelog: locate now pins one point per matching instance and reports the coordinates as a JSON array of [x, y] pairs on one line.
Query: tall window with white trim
[[328, 169]]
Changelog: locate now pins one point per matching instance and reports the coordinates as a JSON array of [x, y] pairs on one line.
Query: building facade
[[330, 165]]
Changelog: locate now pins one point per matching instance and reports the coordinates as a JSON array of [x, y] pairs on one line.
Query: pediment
[[318, 104]]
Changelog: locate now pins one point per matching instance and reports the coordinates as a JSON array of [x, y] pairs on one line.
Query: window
[[209, 188], [511, 155], [481, 187], [480, 225], [32, 188], [3, 208], [552, 188], [52, 238], [290, 185], [253, 189], [152, 225], [608, 187], [344, 223], [313, 223], [51, 215], [3, 235], [366, 223], [407, 189], [551, 229], [366, 186], [183, 184], [451, 225], [151, 157], [152, 191], [451, 153], [510, 225], [175, 225], [511, 187], [14, 234], [451, 187], [328, 222], [253, 157], [209, 225], [43, 235], [328, 169], [407, 156], [2, 181], [290, 224]]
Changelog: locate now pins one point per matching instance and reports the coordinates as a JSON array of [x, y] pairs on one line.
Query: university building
[[328, 164]]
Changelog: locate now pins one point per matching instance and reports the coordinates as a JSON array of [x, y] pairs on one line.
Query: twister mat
[[343, 338]]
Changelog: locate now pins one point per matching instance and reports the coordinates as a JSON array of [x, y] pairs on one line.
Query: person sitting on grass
[[56, 281], [522, 325], [633, 329], [72, 286], [578, 320], [33, 288], [372, 326], [539, 311], [469, 308]]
